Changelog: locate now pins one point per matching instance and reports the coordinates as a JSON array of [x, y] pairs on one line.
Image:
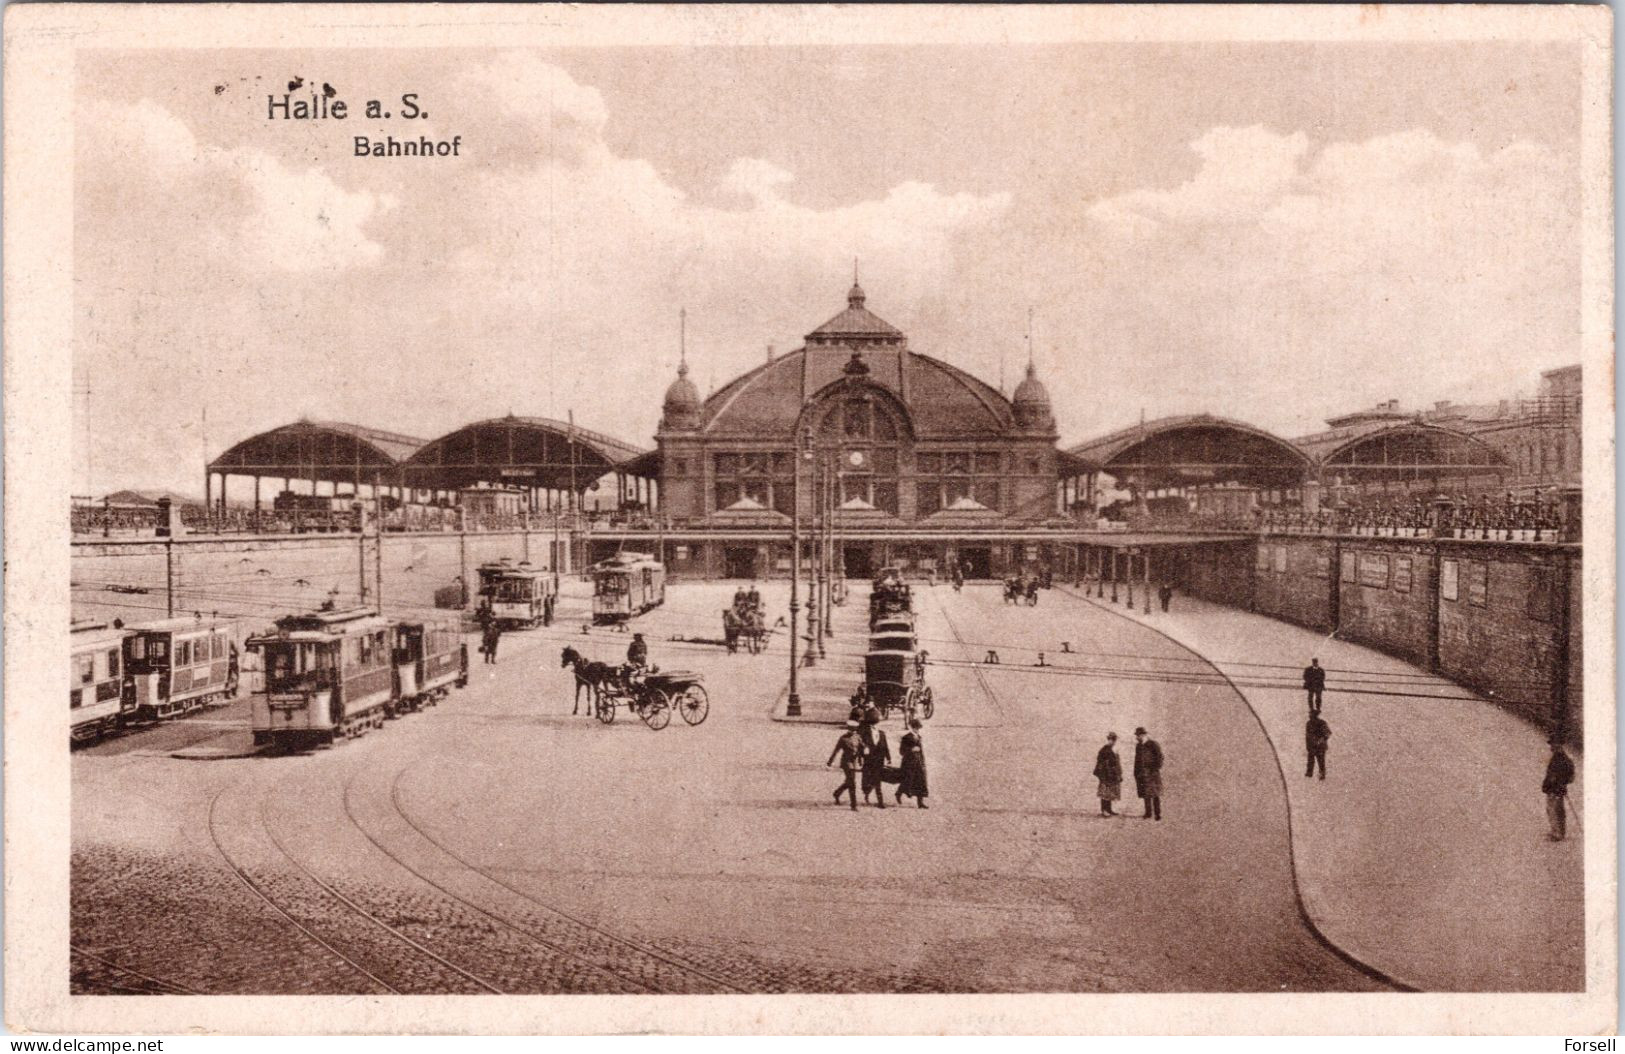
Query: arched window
[[858, 436]]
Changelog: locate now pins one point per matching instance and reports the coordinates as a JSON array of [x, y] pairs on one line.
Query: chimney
[[770, 353]]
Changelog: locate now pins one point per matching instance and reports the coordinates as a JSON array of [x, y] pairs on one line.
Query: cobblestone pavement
[[498, 843]]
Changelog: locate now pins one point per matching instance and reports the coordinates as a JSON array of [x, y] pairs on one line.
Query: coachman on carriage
[[889, 595]]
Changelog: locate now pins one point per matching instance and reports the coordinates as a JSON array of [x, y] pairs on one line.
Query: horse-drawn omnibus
[[625, 586], [517, 595]]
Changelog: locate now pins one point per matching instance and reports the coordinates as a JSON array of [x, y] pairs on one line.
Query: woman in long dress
[[913, 752]]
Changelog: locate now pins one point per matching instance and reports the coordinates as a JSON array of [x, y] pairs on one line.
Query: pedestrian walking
[[849, 748], [1316, 734], [1559, 774], [876, 756], [1148, 773], [1109, 771], [1314, 684], [1165, 593], [489, 638], [912, 748]]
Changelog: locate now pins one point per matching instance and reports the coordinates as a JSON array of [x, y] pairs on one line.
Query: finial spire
[[854, 270], [1030, 370], [682, 342]]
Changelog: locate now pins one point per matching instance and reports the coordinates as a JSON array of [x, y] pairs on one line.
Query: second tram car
[[517, 595], [430, 659], [96, 697], [327, 674], [179, 664], [627, 585]]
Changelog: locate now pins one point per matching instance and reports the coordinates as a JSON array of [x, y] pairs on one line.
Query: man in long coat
[[1316, 735], [876, 756], [1148, 773], [1559, 774], [1109, 771], [1314, 684]]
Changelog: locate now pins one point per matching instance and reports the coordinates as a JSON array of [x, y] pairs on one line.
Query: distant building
[[492, 501]]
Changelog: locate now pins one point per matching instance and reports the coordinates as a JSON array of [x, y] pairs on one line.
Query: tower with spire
[[1031, 399], [682, 409]]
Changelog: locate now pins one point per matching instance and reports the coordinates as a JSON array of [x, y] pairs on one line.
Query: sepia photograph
[[1107, 508]]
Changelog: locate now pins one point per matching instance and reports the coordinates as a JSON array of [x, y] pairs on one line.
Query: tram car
[[430, 659], [327, 674], [625, 586], [96, 697], [176, 665], [517, 596]]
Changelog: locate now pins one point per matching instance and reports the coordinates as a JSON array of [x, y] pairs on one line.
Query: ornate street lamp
[[793, 708]]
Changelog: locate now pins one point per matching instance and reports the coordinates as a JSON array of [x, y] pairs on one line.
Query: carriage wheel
[[656, 710], [605, 710], [693, 704], [928, 706]]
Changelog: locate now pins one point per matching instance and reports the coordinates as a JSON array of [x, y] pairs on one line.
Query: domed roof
[[1031, 401], [683, 405]]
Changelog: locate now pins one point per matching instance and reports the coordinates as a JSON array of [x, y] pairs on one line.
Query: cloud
[[1283, 266], [283, 217], [301, 219]]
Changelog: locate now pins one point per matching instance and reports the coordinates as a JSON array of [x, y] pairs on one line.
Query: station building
[[912, 461]]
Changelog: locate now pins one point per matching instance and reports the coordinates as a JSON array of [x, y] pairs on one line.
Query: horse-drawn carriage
[[889, 595], [894, 679], [650, 692], [745, 623], [1021, 588]]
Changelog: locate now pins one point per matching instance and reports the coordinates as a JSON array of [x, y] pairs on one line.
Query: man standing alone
[[1109, 771], [1559, 774], [1148, 773], [1314, 683], [1316, 734]]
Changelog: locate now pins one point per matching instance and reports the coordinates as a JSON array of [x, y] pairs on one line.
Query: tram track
[[604, 952], [360, 952], [149, 985]]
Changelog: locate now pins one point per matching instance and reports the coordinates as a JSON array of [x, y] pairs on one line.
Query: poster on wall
[[1374, 570], [1323, 565], [1346, 573], [1263, 558], [1478, 583], [1447, 579], [1280, 559], [1402, 574]]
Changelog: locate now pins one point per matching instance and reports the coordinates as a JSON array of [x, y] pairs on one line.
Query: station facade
[[905, 458]]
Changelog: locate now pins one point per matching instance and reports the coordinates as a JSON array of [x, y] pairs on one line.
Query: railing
[[1485, 519]]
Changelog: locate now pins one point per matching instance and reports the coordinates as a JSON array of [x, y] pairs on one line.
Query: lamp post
[[814, 604], [793, 706]]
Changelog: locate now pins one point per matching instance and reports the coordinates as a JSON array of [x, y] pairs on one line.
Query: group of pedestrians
[[1147, 774], [865, 756]]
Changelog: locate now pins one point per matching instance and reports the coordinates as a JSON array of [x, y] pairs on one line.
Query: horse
[[589, 675], [1032, 593], [731, 626], [1012, 591]]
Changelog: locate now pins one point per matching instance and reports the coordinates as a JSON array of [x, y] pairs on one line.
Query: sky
[[1271, 232]]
